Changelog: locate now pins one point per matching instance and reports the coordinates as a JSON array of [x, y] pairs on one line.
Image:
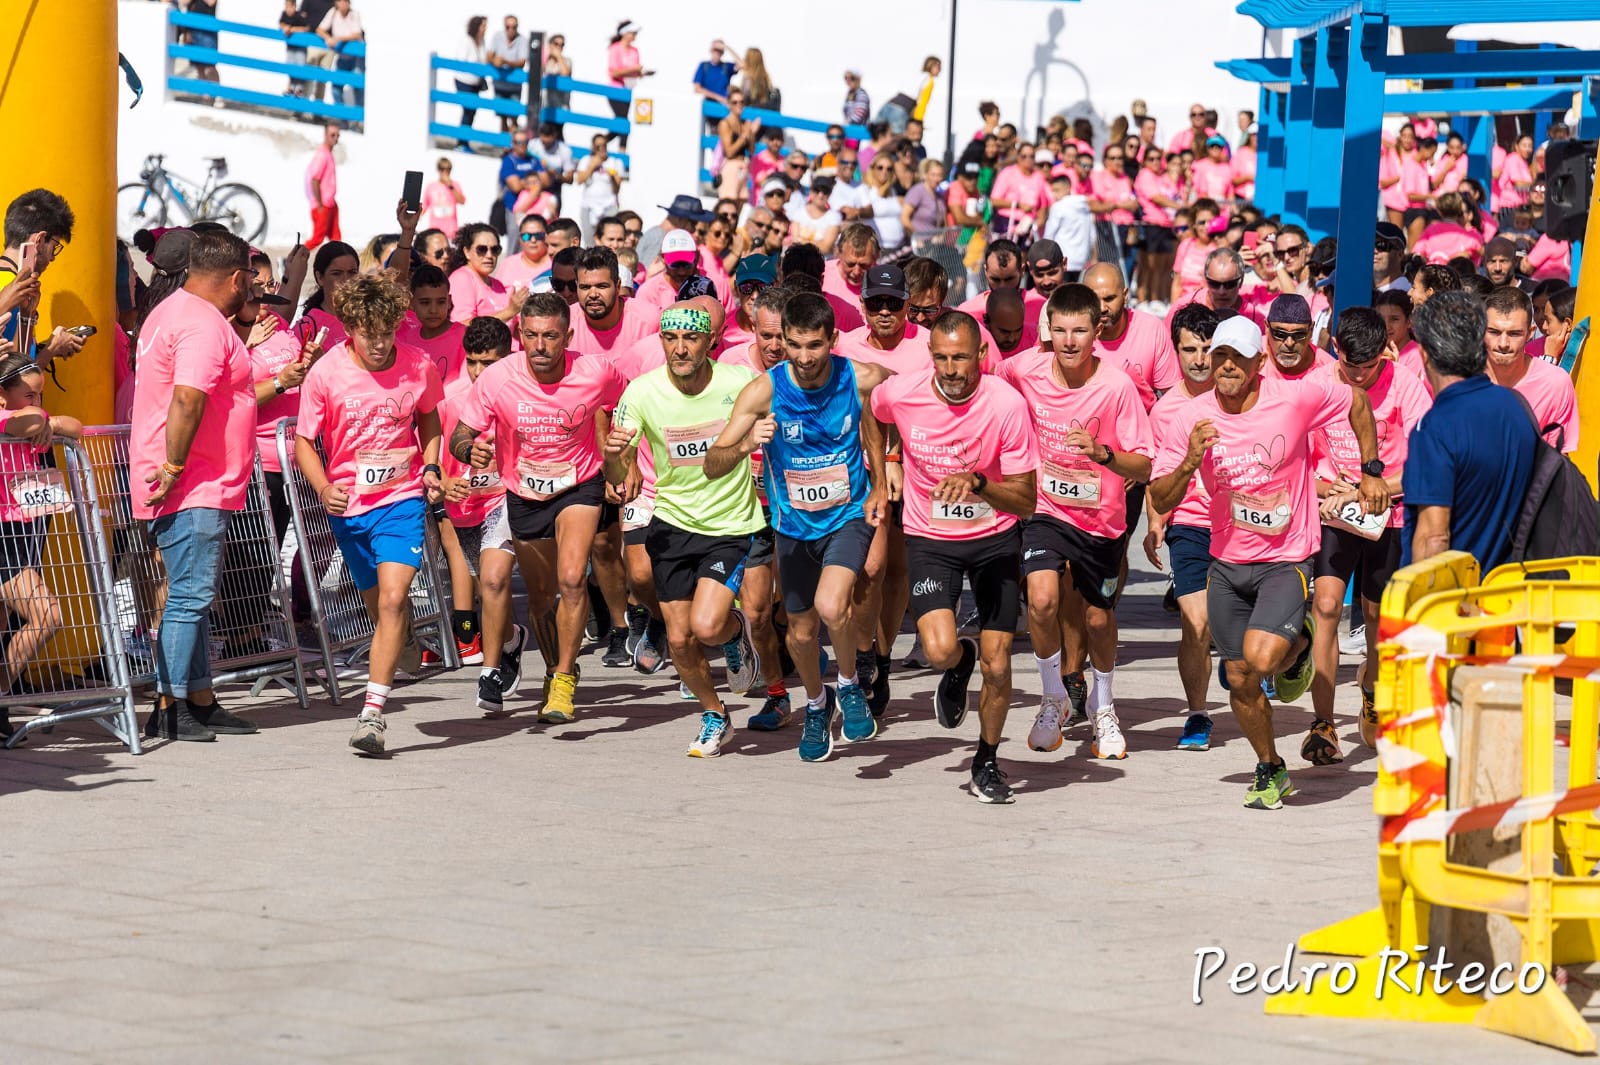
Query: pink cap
[[678, 246]]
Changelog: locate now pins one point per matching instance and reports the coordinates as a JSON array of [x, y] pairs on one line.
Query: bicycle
[[162, 198]]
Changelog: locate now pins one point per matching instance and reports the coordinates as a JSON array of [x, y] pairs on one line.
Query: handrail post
[[535, 79]]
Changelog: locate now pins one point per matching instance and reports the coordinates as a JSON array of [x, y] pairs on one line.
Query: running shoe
[[1222, 676], [950, 699], [220, 721], [431, 659], [918, 658], [859, 724], [558, 708], [410, 660], [773, 715], [368, 737], [1321, 745], [617, 649], [740, 662], [1196, 733], [1108, 739], [685, 694], [1169, 601], [1294, 681], [1046, 732], [599, 613], [785, 660], [638, 618], [878, 690], [511, 660], [1077, 698], [491, 698], [549, 681], [1270, 787], [816, 737], [1369, 717], [471, 651], [989, 784], [866, 668], [715, 732], [650, 654], [1354, 643], [1269, 687]]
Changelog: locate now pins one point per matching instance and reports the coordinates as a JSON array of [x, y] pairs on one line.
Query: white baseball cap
[[1238, 333], [679, 246]]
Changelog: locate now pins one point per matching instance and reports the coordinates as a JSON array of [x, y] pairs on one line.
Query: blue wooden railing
[[714, 112], [298, 71], [515, 107]]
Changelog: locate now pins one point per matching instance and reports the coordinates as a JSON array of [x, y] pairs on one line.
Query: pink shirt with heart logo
[[1398, 403], [368, 422]]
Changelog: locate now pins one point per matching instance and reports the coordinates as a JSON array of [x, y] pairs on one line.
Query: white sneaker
[[1046, 732], [1355, 643], [1108, 740], [741, 664], [685, 694], [715, 732]]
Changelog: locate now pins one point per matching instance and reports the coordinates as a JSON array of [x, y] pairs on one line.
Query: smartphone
[[413, 190], [1251, 239], [318, 340], [84, 331], [28, 259]]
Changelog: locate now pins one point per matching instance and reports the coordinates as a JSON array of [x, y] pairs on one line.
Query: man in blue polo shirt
[[1470, 458], [713, 76], [519, 170]]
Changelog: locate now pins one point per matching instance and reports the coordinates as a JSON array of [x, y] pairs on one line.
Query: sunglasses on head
[[558, 285], [878, 304], [1212, 282]]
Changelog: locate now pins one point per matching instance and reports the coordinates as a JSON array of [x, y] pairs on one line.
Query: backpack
[[1559, 517]]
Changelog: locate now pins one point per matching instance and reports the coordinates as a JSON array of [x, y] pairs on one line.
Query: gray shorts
[[801, 562], [493, 535], [1269, 596]]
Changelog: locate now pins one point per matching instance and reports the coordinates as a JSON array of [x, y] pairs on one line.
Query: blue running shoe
[[1269, 687], [859, 724], [773, 715], [816, 735], [1196, 733]]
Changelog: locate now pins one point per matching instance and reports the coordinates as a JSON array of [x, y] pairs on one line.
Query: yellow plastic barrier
[[1435, 617]]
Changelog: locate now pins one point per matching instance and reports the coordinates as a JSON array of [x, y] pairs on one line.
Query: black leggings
[[620, 109]]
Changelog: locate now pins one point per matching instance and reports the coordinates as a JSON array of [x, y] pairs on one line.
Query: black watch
[[981, 482], [1109, 456], [434, 468], [1373, 468]]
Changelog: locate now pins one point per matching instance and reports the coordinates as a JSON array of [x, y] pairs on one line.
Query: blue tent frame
[[1321, 109]]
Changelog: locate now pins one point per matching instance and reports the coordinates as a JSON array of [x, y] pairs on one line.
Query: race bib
[[40, 494], [544, 480], [1072, 487], [483, 480], [966, 515], [815, 490], [1353, 516], [1267, 515], [378, 470], [636, 515], [687, 446]]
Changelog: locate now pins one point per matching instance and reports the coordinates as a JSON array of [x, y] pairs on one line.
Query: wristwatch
[[1109, 456], [980, 482], [1373, 468], [433, 468]]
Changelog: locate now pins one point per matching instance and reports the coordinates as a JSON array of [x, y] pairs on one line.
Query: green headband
[[687, 319]]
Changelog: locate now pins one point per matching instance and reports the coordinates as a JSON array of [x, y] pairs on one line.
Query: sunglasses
[[1180, 229], [1296, 250], [634, 232], [1115, 158], [486, 249], [879, 304], [931, 310], [558, 285], [1197, 114], [532, 238], [795, 166], [1225, 286], [750, 288], [1284, 336]]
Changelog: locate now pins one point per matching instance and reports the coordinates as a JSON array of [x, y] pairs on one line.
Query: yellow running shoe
[[558, 708]]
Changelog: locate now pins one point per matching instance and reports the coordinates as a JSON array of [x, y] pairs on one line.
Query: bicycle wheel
[[139, 207], [240, 208]]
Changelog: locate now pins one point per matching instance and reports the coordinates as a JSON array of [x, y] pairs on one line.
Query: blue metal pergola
[[1321, 109]]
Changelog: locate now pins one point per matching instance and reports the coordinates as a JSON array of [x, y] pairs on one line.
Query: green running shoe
[[1270, 787], [1295, 681]]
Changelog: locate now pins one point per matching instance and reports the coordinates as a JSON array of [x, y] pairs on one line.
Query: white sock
[[819, 702], [1102, 688], [488, 671], [844, 681], [1050, 675], [377, 696]]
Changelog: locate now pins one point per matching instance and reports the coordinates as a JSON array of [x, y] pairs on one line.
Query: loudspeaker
[[1569, 183]]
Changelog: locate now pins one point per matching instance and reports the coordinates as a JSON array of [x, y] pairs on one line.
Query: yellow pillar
[[58, 115], [1587, 372]]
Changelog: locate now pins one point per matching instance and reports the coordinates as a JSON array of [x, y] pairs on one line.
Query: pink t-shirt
[[1244, 166], [1255, 312], [368, 423], [1195, 508], [1149, 184], [545, 440], [1259, 473], [1320, 362], [1414, 180], [1514, 173], [637, 321], [448, 355], [187, 342], [266, 360], [1550, 258], [1213, 180], [516, 271], [325, 173], [20, 463], [1442, 241], [484, 491], [1031, 192], [1392, 197], [833, 282], [1448, 171], [316, 318], [621, 56], [1032, 307], [1144, 352], [1398, 403], [1112, 188], [1549, 391], [990, 433], [1070, 486], [910, 356], [1184, 141], [439, 204], [471, 295], [1189, 264], [122, 404]]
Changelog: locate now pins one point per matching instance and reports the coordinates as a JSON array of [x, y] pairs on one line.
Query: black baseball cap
[[887, 280]]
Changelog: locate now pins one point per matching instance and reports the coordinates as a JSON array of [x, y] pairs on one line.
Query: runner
[[1249, 439], [1186, 530], [1547, 388], [427, 325], [969, 465], [539, 419], [609, 323], [374, 405], [474, 500], [701, 531], [1292, 354], [1366, 547], [1088, 418]]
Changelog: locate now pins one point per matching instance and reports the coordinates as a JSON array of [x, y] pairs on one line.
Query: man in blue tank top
[[824, 472]]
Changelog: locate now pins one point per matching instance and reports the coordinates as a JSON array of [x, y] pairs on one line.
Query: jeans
[[351, 63], [474, 88], [191, 549]]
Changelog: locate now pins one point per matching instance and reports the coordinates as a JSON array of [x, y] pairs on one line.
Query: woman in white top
[[471, 52], [883, 203], [556, 64], [600, 177]]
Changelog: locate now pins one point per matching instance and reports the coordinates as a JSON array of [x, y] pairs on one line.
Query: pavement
[[505, 891]]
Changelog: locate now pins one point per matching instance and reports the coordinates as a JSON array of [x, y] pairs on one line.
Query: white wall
[[1029, 56]]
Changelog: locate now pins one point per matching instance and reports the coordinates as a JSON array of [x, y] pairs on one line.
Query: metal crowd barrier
[[78, 670], [517, 107], [252, 636], [263, 97], [344, 628]]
